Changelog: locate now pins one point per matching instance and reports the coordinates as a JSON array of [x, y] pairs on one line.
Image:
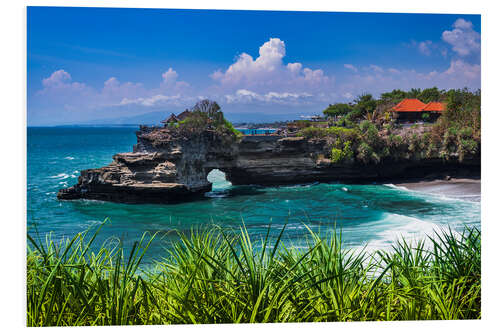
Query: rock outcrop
[[165, 168]]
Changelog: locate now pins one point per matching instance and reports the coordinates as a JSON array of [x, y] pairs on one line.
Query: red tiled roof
[[409, 105], [434, 106]]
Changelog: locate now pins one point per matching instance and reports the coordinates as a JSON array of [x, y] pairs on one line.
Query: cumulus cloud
[[351, 67], [424, 47], [268, 71], [60, 90], [463, 38], [170, 76], [61, 80], [151, 101], [376, 68], [57, 78], [170, 81], [459, 69], [113, 90], [248, 96], [458, 74]]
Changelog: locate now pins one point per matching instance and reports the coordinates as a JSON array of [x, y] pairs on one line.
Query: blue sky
[[102, 63]]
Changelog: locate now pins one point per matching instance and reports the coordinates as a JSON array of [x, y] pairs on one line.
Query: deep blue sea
[[372, 215]]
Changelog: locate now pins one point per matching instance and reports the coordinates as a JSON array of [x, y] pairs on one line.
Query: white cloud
[[268, 71], [351, 67], [459, 69], [59, 77], [459, 74], [113, 89], [248, 96], [152, 101], [376, 68], [463, 38], [170, 76], [424, 47], [60, 90]]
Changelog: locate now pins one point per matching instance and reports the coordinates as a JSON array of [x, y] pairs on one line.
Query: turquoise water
[[373, 215], [256, 131]]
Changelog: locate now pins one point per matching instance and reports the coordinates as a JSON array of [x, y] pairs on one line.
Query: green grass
[[215, 277]]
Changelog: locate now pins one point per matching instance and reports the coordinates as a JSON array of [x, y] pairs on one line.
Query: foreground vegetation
[[218, 277]]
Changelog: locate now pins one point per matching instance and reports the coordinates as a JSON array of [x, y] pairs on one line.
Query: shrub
[[341, 152], [212, 276], [365, 152], [313, 132], [337, 155], [338, 109]]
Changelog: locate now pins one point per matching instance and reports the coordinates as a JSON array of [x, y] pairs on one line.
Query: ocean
[[254, 131], [368, 215]]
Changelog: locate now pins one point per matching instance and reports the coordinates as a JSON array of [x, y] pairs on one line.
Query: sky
[[87, 64]]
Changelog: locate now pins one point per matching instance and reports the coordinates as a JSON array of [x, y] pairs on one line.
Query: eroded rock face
[[164, 168]]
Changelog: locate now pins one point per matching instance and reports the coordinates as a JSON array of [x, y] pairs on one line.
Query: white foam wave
[[60, 176], [69, 158], [397, 187], [396, 227], [433, 196]]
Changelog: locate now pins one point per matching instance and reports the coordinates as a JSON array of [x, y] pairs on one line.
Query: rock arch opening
[[218, 179]]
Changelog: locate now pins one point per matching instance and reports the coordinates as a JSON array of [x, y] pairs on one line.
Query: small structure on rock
[[170, 120]]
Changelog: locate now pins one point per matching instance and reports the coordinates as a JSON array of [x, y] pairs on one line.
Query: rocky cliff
[[166, 168]]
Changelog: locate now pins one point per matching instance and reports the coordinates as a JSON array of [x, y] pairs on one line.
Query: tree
[[365, 103], [337, 109], [413, 93], [211, 108], [430, 95], [395, 96]]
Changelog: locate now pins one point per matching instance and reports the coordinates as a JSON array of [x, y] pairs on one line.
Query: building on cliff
[[170, 120], [175, 119], [412, 109]]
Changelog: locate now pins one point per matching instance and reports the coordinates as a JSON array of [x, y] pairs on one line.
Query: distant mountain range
[[150, 118], [154, 118]]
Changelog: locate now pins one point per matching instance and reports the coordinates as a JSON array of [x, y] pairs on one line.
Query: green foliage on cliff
[[207, 115], [426, 95], [342, 154], [317, 132], [373, 137], [338, 109], [219, 277]]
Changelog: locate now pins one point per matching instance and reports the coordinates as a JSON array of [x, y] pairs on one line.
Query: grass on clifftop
[[215, 277]]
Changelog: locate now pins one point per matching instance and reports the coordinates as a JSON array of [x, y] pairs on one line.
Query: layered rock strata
[[164, 168]]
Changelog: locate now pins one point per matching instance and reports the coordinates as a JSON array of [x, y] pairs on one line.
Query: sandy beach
[[463, 188]]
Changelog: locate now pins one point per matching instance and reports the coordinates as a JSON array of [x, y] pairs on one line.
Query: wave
[[396, 187], [216, 194], [438, 196], [60, 176], [395, 227], [69, 158]]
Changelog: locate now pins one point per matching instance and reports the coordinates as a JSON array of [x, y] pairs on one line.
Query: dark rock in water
[[165, 168]]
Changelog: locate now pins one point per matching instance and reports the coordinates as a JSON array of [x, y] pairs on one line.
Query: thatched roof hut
[[171, 119]]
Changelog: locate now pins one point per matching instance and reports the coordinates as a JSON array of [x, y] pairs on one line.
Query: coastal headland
[[166, 168]]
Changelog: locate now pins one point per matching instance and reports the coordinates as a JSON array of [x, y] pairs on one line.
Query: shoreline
[[462, 187]]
